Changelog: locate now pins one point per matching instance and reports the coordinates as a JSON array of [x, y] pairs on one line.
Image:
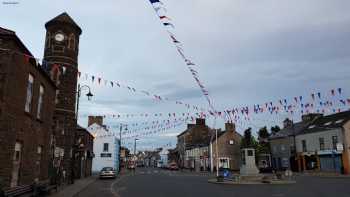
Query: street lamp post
[[135, 146], [89, 95], [120, 143], [74, 147]]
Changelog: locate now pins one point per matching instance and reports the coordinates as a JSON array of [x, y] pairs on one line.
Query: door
[[331, 163], [16, 163]]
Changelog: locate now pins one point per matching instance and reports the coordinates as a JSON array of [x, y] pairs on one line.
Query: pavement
[[160, 183], [73, 189]]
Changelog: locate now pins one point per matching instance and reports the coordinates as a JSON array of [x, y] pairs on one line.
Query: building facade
[[322, 145], [106, 146], [197, 158], [196, 135], [84, 153], [27, 97], [61, 59], [283, 143], [228, 143]]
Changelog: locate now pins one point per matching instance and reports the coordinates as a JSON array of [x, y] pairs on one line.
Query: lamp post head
[[89, 95]]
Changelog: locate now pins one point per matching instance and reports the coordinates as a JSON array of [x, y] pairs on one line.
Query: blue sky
[[247, 52]]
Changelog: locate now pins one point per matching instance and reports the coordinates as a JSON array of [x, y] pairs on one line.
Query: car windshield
[[107, 169]]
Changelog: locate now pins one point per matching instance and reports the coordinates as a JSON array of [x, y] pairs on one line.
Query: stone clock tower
[[61, 61]]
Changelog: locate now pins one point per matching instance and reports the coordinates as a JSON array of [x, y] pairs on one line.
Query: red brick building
[[84, 153], [27, 105], [38, 125], [61, 58]]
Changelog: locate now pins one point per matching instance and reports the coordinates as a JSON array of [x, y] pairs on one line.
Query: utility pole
[[217, 153]]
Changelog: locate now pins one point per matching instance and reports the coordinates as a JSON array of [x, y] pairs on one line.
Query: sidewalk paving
[[73, 189], [322, 174]]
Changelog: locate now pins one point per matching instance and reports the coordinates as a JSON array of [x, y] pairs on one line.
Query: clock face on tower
[[59, 37]]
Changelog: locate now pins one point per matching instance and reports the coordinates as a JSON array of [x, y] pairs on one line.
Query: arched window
[[55, 73], [48, 40], [71, 42]]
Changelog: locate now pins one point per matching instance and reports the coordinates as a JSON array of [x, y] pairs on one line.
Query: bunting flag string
[[58, 67], [148, 115], [298, 106], [319, 104], [158, 6], [147, 131]]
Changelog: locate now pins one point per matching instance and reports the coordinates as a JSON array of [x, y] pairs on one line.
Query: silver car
[[108, 172]]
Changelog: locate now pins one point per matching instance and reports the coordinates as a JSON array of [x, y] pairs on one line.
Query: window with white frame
[[29, 97], [224, 162], [40, 102]]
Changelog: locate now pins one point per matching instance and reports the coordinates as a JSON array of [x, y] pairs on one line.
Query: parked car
[[108, 172], [173, 166]]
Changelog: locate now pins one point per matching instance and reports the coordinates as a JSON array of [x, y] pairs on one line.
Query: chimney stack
[[200, 121], [95, 119], [230, 127], [287, 123]]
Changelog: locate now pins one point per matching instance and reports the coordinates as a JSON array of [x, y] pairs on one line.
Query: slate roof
[[329, 122], [295, 129], [4, 31], [322, 123], [63, 18]]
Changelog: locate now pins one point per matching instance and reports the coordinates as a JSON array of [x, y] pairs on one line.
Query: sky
[[246, 52]]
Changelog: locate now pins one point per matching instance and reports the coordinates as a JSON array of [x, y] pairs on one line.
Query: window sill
[[28, 114]]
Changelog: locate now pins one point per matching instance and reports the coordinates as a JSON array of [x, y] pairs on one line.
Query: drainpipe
[[211, 157]]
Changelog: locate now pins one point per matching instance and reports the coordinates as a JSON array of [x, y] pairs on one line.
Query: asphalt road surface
[[162, 183]]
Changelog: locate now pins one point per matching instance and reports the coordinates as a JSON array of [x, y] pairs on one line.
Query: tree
[[248, 141], [263, 145], [263, 134], [275, 129]]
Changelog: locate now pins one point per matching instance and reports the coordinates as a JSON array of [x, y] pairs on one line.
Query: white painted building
[[163, 162], [106, 148]]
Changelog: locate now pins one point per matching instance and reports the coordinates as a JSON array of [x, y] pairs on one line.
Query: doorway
[[16, 164]]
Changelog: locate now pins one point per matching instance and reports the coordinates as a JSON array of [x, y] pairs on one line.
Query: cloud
[[245, 52]]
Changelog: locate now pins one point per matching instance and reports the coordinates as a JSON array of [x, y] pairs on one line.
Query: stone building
[[283, 144], [197, 157], [229, 152], [196, 135], [27, 105], [61, 59]]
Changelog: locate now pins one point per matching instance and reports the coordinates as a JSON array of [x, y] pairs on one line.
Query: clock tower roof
[[63, 18]]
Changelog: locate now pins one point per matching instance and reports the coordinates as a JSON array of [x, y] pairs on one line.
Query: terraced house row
[[317, 143]]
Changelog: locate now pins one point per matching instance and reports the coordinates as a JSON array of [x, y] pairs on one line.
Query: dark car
[[108, 172], [173, 166]]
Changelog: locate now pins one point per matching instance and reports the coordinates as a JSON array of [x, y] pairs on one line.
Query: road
[[162, 183]]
